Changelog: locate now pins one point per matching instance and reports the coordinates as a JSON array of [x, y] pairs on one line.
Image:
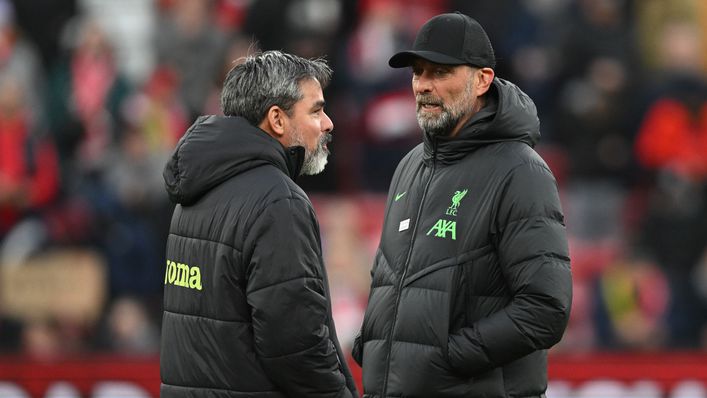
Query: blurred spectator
[[672, 144], [592, 128], [384, 27], [29, 181], [84, 103], [674, 135], [310, 28], [631, 301], [380, 32], [238, 47], [42, 21], [155, 120], [53, 338], [261, 17], [592, 114], [382, 126], [157, 114], [41, 340], [530, 53], [192, 46], [132, 248], [652, 16], [136, 210], [601, 28], [231, 14], [130, 24], [592, 122], [305, 27], [107, 160], [20, 62], [130, 329], [313, 26], [674, 132]]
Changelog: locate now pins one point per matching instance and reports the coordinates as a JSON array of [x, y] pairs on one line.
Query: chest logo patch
[[448, 228], [442, 227], [456, 201], [404, 225]]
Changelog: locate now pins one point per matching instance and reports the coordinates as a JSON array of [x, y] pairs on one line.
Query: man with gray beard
[[471, 283], [247, 309]]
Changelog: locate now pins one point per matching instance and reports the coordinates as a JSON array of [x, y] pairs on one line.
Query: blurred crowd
[[94, 94]]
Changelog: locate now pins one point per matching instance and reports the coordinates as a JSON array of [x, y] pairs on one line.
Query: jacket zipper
[[399, 291]]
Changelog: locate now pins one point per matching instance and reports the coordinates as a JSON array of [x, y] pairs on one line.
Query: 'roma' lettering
[[179, 274]]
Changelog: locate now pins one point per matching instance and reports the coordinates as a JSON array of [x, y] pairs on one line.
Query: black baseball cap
[[450, 39]]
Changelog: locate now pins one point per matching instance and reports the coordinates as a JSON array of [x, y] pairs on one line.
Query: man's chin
[[433, 129], [314, 166], [436, 127]]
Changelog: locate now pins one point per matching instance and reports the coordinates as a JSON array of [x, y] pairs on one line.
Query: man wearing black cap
[[471, 283]]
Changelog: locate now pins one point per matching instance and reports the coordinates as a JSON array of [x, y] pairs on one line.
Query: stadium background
[[94, 95]]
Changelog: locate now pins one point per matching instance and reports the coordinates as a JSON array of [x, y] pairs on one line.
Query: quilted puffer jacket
[[471, 282], [246, 302]]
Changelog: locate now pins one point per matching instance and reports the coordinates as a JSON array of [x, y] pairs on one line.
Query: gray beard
[[314, 161], [450, 116], [438, 126]]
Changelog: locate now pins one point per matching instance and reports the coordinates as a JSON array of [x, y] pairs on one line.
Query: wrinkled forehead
[[310, 87], [312, 94]]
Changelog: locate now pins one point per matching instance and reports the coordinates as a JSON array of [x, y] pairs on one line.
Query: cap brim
[[405, 58]]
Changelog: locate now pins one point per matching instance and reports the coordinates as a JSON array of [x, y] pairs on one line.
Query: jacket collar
[[294, 157], [216, 148], [509, 115]]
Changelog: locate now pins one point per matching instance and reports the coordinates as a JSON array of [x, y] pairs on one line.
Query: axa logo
[[442, 227], [183, 275]]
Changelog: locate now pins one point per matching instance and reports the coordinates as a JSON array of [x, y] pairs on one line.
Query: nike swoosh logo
[[400, 195]]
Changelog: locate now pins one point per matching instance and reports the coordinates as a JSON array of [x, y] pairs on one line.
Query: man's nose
[[327, 124], [422, 84]]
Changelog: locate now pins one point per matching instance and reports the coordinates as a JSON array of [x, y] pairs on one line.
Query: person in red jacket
[[671, 146], [674, 137], [28, 163]]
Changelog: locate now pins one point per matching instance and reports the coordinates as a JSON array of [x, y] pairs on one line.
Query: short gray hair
[[267, 79]]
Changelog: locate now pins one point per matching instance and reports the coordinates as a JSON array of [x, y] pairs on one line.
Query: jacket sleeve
[[532, 250], [357, 348], [289, 305]]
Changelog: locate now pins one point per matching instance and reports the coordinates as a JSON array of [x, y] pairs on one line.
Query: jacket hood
[[216, 148], [509, 115]]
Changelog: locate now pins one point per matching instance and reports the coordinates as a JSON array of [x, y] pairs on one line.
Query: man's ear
[[275, 122], [483, 79]]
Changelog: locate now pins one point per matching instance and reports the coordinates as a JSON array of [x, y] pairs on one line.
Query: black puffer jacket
[[471, 281], [246, 302]]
